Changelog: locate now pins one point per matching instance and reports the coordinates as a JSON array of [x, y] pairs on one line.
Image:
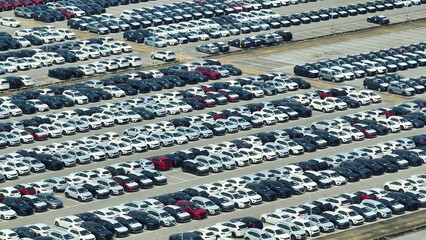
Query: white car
[[80, 233], [354, 133], [257, 92], [267, 119], [66, 128], [279, 116], [41, 187], [391, 125], [398, 185], [27, 80], [164, 55], [335, 178], [353, 217], [274, 218], [238, 199], [305, 181], [10, 192], [51, 130], [23, 135], [19, 167], [66, 33], [76, 96], [93, 53], [374, 97], [6, 212], [43, 59], [7, 234], [277, 232], [361, 98], [10, 22], [307, 225], [56, 58], [81, 56], [322, 105], [339, 104], [68, 221], [32, 62], [12, 108], [302, 99], [403, 122], [115, 91], [23, 41]]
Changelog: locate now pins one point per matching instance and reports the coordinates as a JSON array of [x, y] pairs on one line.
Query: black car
[[96, 190], [382, 20], [414, 120], [145, 219], [305, 71], [302, 83], [392, 204], [24, 106], [322, 205], [51, 101], [24, 232], [375, 168], [37, 204], [50, 162], [250, 222], [215, 128], [409, 203], [166, 199], [98, 230], [308, 147], [114, 228], [88, 217], [365, 212], [266, 193], [185, 236], [66, 102], [196, 105], [386, 164], [331, 140], [411, 157], [131, 224], [141, 180], [352, 103], [347, 173], [18, 205], [60, 73], [336, 219], [265, 137], [195, 192], [380, 129], [357, 168], [177, 212], [279, 188]]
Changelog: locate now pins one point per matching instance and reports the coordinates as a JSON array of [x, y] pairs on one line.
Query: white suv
[[164, 55]]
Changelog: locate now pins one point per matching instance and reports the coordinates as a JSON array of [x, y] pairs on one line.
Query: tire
[[192, 216], [365, 86], [381, 89], [390, 91], [79, 199], [313, 127], [323, 110], [67, 195], [55, 189], [333, 80], [380, 215], [263, 220], [133, 150], [311, 107], [2, 217], [164, 59], [99, 32], [111, 192], [57, 224], [92, 158], [198, 174], [162, 224], [401, 190], [320, 77]]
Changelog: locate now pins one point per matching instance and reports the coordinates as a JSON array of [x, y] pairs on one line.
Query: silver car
[[401, 88], [208, 48]]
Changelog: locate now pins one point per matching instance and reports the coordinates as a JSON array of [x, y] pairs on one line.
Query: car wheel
[[263, 220], [99, 32], [192, 216], [320, 77], [365, 86], [79, 199], [401, 190], [323, 110], [55, 189], [111, 192], [57, 224], [313, 127], [333, 80], [390, 91], [164, 59], [67, 195]]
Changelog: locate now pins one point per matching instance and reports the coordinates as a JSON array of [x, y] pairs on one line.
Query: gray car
[[79, 125], [229, 126], [66, 159], [189, 133], [401, 88], [240, 122], [58, 184], [78, 192], [158, 111], [162, 138], [34, 164], [202, 130], [79, 155], [110, 152], [111, 185], [10, 139], [59, 234], [323, 223], [227, 162], [51, 201], [208, 48], [280, 150], [98, 28], [292, 229], [155, 42], [331, 75]]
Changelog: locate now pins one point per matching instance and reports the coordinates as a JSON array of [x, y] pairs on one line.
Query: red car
[[399, 50], [234, 7], [25, 189], [37, 2], [15, 3], [67, 13], [193, 209], [208, 102], [1, 197], [388, 112], [324, 93], [368, 131], [38, 134], [365, 195], [217, 115], [245, 9], [5, 5], [127, 183], [161, 162], [26, 2], [231, 96], [208, 88], [209, 72]]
